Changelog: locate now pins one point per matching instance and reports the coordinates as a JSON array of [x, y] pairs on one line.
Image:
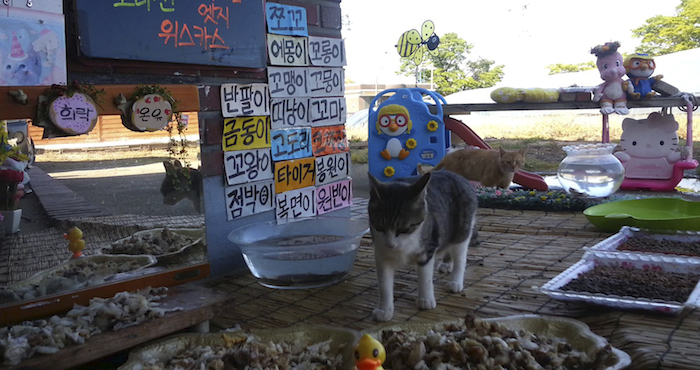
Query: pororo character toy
[[394, 120], [639, 69]]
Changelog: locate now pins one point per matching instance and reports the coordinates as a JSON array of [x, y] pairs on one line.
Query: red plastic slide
[[523, 178]]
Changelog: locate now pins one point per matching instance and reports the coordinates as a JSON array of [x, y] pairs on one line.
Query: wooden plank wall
[[110, 129]]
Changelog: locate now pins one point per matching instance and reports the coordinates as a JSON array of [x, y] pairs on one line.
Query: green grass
[[536, 165], [359, 156]]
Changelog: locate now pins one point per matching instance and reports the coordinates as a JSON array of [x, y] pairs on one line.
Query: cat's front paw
[[445, 267], [454, 286], [380, 314], [426, 303]]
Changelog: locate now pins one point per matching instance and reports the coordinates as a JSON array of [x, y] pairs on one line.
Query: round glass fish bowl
[[590, 170], [300, 253]]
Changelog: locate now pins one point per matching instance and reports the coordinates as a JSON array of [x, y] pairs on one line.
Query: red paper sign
[[328, 140]]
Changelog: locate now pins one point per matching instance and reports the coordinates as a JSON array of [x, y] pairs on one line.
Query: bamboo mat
[[519, 250], [30, 253]]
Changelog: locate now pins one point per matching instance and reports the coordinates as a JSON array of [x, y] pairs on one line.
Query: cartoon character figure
[[369, 354], [394, 120], [649, 146], [20, 68], [639, 69], [612, 97]]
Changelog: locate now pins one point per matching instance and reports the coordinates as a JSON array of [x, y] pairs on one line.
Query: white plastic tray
[[640, 261], [626, 232]]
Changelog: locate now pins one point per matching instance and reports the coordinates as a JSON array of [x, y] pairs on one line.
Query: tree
[[568, 68], [452, 72], [669, 34]]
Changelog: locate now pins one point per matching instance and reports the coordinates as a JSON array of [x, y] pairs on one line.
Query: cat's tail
[[439, 166]]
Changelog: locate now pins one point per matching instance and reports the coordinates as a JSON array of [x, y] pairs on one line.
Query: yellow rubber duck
[[369, 354], [75, 241]]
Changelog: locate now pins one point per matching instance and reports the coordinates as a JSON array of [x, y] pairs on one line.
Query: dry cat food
[[632, 282], [651, 245], [22, 341], [250, 353], [154, 243], [484, 345], [75, 275]]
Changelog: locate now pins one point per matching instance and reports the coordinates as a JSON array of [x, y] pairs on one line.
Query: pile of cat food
[[25, 340], [648, 244], [74, 275], [633, 282], [479, 344], [156, 243], [251, 353]]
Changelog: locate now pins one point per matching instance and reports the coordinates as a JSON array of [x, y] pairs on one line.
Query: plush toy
[[639, 69], [510, 95], [612, 97], [649, 146]]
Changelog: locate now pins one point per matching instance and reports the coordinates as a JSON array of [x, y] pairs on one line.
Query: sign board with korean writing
[[248, 165], [325, 81], [296, 203], [332, 167], [287, 82], [328, 140], [287, 50], [243, 133], [294, 174], [327, 111], [286, 19], [327, 52], [245, 100], [290, 143], [224, 33], [75, 114], [333, 196], [289, 112], [249, 198], [152, 112]]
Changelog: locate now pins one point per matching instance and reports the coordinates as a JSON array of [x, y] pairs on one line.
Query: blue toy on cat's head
[[403, 133]]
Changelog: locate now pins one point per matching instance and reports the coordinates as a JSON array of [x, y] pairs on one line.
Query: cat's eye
[[8, 67], [402, 231], [22, 66], [634, 143], [661, 142]]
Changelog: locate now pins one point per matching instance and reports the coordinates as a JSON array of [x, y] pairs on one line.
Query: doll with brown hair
[[489, 167]]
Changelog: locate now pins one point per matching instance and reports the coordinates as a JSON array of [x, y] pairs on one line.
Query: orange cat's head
[[512, 161]]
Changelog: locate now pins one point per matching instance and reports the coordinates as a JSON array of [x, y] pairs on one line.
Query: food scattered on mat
[[156, 243], [479, 344], [250, 353], [666, 246], [633, 282], [77, 273], [22, 341]]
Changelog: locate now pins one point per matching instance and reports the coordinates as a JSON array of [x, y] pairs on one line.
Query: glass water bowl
[[301, 253], [590, 170]]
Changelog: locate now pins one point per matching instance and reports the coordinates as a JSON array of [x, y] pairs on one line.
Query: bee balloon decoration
[[413, 43]]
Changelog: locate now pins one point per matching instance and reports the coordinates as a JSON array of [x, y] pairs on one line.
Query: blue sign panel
[[291, 143], [286, 19]]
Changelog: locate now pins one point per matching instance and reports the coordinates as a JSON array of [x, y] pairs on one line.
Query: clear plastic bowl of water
[[302, 253]]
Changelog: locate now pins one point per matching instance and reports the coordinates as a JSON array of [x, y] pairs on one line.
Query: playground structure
[[441, 114]]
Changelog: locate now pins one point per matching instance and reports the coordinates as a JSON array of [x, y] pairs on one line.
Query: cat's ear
[[417, 188], [168, 166], [374, 186], [522, 150], [500, 149], [177, 163]]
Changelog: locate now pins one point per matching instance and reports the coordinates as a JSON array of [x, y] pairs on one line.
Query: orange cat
[[489, 167]]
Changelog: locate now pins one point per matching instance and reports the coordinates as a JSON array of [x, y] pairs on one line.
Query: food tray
[[649, 213], [575, 332], [344, 341], [198, 234], [612, 243], [676, 264]]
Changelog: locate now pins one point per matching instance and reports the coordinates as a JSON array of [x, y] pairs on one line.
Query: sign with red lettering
[[244, 100], [327, 52], [328, 140], [248, 165], [294, 174], [296, 203], [287, 50], [248, 199], [333, 196]]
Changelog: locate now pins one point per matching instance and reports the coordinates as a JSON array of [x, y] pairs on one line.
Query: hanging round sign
[[75, 115], [151, 113]]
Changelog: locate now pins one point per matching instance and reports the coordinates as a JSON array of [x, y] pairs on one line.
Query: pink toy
[[612, 97], [649, 147]]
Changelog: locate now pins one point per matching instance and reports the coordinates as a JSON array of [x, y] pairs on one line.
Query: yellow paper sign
[[294, 174], [242, 133]]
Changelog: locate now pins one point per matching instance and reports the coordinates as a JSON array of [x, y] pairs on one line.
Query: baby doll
[[639, 69], [612, 97]]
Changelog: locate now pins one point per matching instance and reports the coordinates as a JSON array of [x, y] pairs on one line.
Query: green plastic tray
[[649, 213]]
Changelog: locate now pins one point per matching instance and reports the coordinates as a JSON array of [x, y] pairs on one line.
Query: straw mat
[[519, 250]]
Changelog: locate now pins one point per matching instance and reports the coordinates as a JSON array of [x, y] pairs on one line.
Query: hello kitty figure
[[649, 147], [612, 96]]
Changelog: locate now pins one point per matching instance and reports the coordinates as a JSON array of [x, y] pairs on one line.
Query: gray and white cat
[[412, 222]]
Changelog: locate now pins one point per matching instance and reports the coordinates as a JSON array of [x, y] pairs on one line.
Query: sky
[[523, 35]]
